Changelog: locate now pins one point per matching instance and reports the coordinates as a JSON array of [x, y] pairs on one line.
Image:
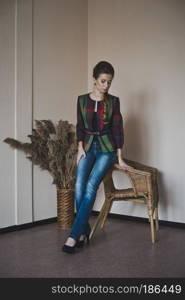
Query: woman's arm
[[117, 127], [79, 132], [80, 144], [79, 125], [118, 133], [119, 153]]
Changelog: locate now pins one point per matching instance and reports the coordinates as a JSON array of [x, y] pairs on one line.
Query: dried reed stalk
[[53, 148]]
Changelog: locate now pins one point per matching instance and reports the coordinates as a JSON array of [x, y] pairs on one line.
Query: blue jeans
[[89, 174]]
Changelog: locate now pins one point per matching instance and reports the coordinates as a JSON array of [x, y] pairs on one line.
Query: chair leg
[[100, 216], [153, 235], [156, 219], [152, 227], [107, 209]]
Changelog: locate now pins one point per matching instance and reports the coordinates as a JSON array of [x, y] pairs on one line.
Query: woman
[[100, 138]]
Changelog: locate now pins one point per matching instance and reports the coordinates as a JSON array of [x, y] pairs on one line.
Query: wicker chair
[[144, 190]]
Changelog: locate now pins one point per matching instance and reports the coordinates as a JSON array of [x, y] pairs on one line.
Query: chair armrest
[[134, 171], [139, 179]]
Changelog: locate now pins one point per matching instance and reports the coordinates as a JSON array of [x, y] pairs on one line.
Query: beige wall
[[43, 54], [59, 75], [48, 50], [145, 42]]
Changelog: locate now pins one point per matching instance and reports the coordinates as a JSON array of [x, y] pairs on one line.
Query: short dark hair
[[103, 67]]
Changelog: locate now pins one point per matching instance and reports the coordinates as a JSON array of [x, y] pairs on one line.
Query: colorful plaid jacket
[[110, 133]]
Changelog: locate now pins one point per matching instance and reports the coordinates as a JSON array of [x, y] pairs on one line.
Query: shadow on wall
[[143, 134]]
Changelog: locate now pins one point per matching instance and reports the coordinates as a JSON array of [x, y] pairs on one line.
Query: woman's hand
[[123, 165], [80, 153]]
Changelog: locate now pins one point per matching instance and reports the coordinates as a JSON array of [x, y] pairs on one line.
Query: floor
[[122, 249]]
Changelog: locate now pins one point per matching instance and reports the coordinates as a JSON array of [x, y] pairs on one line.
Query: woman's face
[[103, 82]]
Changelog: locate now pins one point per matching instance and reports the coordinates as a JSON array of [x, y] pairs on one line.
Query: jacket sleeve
[[80, 124], [117, 124]]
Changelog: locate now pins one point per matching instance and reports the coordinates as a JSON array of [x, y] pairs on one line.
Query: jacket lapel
[[87, 112]]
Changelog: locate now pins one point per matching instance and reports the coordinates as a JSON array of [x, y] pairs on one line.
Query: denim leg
[[102, 163], [83, 170]]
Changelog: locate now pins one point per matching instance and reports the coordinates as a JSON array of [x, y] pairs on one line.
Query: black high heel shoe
[[69, 249], [80, 243]]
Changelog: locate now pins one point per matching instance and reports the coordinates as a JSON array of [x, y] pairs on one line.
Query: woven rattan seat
[[144, 189]]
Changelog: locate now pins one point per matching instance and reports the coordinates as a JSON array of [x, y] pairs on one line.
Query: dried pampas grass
[[53, 148]]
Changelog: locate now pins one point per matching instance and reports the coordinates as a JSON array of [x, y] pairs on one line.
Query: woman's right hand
[[80, 153]]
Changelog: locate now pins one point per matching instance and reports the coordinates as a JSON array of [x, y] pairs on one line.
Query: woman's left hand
[[123, 165]]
